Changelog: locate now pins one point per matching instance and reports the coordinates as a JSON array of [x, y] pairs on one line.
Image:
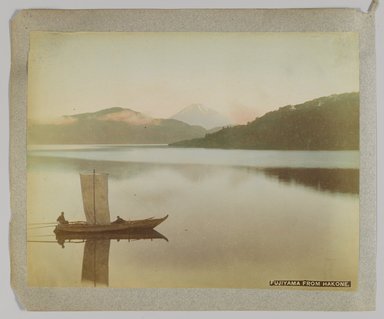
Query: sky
[[241, 75]]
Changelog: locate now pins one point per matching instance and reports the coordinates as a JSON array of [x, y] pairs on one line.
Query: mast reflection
[[95, 267]]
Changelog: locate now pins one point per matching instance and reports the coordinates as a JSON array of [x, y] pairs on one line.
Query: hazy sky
[[242, 75]]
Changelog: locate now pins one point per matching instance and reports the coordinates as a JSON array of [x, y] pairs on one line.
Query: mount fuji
[[198, 114]]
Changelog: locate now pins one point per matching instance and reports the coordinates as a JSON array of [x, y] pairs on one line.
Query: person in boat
[[118, 220], [61, 219]]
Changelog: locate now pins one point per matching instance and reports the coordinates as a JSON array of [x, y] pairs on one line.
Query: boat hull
[[132, 234], [82, 227]]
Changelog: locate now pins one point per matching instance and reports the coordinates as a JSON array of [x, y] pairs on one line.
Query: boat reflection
[[96, 262], [95, 267]]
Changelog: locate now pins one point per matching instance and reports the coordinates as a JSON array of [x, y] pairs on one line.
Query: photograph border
[[193, 20]]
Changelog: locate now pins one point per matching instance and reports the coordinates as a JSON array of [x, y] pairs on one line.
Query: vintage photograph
[[193, 160]]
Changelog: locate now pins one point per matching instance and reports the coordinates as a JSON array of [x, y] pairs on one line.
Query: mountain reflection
[[322, 179], [342, 180], [116, 170], [95, 267]]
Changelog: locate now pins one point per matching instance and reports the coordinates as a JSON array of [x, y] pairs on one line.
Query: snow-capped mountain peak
[[199, 114]]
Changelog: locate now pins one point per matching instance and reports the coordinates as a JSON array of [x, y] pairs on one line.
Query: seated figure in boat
[[61, 219], [118, 220]]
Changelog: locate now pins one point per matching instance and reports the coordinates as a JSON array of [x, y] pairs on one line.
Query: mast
[[94, 195]]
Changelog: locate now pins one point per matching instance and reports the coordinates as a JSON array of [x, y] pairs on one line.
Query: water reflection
[[233, 226], [321, 179], [335, 180], [95, 266], [116, 170], [96, 262]]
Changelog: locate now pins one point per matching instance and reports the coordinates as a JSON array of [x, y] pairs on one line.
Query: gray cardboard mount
[[202, 20]]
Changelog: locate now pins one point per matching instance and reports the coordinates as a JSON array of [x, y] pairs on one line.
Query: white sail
[[94, 188]]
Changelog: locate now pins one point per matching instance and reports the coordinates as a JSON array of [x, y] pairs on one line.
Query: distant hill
[[198, 114], [326, 123], [112, 126]]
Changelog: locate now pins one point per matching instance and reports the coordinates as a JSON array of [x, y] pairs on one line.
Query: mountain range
[[112, 126], [326, 123]]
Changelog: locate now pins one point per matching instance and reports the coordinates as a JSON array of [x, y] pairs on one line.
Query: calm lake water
[[237, 218]]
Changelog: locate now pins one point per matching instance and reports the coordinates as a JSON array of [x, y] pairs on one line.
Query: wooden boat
[[84, 227], [94, 189]]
